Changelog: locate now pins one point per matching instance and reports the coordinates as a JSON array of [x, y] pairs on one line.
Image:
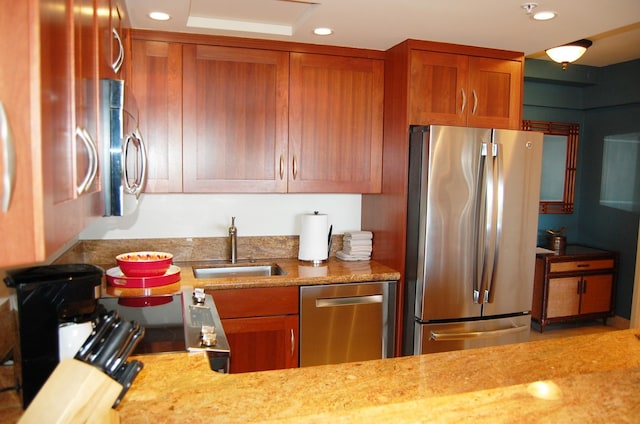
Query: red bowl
[[144, 264]]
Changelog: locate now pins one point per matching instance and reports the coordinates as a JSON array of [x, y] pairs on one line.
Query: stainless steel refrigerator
[[471, 237]]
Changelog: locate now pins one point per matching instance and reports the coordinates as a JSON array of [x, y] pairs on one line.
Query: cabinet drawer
[[581, 265], [256, 302]]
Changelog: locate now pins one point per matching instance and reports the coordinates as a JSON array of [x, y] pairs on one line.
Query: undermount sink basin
[[250, 270]]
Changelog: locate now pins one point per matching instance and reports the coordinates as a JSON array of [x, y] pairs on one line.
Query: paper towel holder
[[313, 239]]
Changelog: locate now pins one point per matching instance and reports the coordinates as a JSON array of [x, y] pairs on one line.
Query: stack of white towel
[[356, 246]]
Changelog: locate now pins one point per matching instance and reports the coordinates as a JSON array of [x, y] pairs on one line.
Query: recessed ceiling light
[[159, 16], [323, 31], [544, 15]]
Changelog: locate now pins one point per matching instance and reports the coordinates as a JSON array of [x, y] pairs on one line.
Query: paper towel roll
[[314, 237]]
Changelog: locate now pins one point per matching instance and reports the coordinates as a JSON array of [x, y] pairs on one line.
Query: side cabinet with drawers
[[576, 284]]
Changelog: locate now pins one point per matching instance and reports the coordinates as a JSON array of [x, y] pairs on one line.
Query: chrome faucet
[[233, 236]]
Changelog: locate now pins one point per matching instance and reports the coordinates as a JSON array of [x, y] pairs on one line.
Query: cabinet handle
[[117, 64], [475, 102], [582, 265], [295, 167], [281, 167], [584, 286], [464, 101], [579, 287], [293, 341], [92, 153], [8, 160]]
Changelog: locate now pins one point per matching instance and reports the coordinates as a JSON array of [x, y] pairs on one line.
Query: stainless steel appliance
[[124, 155], [471, 237], [347, 322], [179, 322], [48, 301]]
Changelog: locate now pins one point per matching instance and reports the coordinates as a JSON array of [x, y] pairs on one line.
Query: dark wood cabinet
[[232, 119], [575, 285], [235, 104], [335, 118], [261, 325], [49, 90]]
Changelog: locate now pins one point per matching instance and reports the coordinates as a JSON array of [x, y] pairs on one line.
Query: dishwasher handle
[[348, 301]]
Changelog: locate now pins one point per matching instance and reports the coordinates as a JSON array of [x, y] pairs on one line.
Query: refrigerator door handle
[[497, 224], [485, 217], [465, 335]]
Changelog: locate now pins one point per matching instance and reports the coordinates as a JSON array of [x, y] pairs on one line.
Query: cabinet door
[[335, 137], [495, 96], [262, 343], [157, 86], [235, 119], [596, 293], [21, 217], [64, 214], [564, 297], [437, 88]]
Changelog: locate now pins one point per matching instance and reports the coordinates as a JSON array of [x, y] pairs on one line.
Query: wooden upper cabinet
[[455, 89], [335, 119], [438, 88], [156, 83], [235, 103], [496, 93]]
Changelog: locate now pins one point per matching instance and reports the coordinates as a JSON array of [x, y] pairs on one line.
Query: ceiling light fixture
[[159, 16], [544, 15], [569, 53], [323, 31]]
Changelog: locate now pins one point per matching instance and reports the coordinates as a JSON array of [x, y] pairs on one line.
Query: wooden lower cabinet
[[262, 343], [578, 284], [261, 325]]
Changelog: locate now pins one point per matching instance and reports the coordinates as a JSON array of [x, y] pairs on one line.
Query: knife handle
[[103, 326], [111, 345]]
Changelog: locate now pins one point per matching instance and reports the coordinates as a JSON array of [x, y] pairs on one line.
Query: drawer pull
[[583, 265]]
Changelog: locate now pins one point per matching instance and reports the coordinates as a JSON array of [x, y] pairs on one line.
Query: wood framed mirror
[[560, 156]]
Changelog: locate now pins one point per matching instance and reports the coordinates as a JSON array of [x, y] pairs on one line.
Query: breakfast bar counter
[[592, 378]]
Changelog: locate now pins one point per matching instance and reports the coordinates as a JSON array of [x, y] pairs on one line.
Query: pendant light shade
[[568, 53]]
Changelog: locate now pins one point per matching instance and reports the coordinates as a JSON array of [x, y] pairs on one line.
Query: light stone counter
[[593, 378]]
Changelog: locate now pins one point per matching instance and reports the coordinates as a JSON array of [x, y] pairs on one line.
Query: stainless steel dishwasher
[[347, 322]]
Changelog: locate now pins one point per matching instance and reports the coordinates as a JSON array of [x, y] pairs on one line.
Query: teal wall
[[604, 101]]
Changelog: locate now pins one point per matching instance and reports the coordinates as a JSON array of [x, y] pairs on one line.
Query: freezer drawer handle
[[348, 301], [442, 337]]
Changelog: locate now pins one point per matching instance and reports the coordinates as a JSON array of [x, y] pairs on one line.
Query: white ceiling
[[612, 25]]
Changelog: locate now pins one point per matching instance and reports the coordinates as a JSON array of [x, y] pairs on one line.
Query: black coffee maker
[[48, 297]]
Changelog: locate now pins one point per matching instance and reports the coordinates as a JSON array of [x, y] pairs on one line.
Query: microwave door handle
[[8, 160], [142, 175], [138, 184]]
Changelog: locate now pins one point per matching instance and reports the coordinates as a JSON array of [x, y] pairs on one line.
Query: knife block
[[75, 392]]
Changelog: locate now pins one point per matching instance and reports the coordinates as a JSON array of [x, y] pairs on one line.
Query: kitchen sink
[[230, 270]]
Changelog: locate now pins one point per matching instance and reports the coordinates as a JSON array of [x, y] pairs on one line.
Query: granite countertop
[[333, 271], [592, 378]]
